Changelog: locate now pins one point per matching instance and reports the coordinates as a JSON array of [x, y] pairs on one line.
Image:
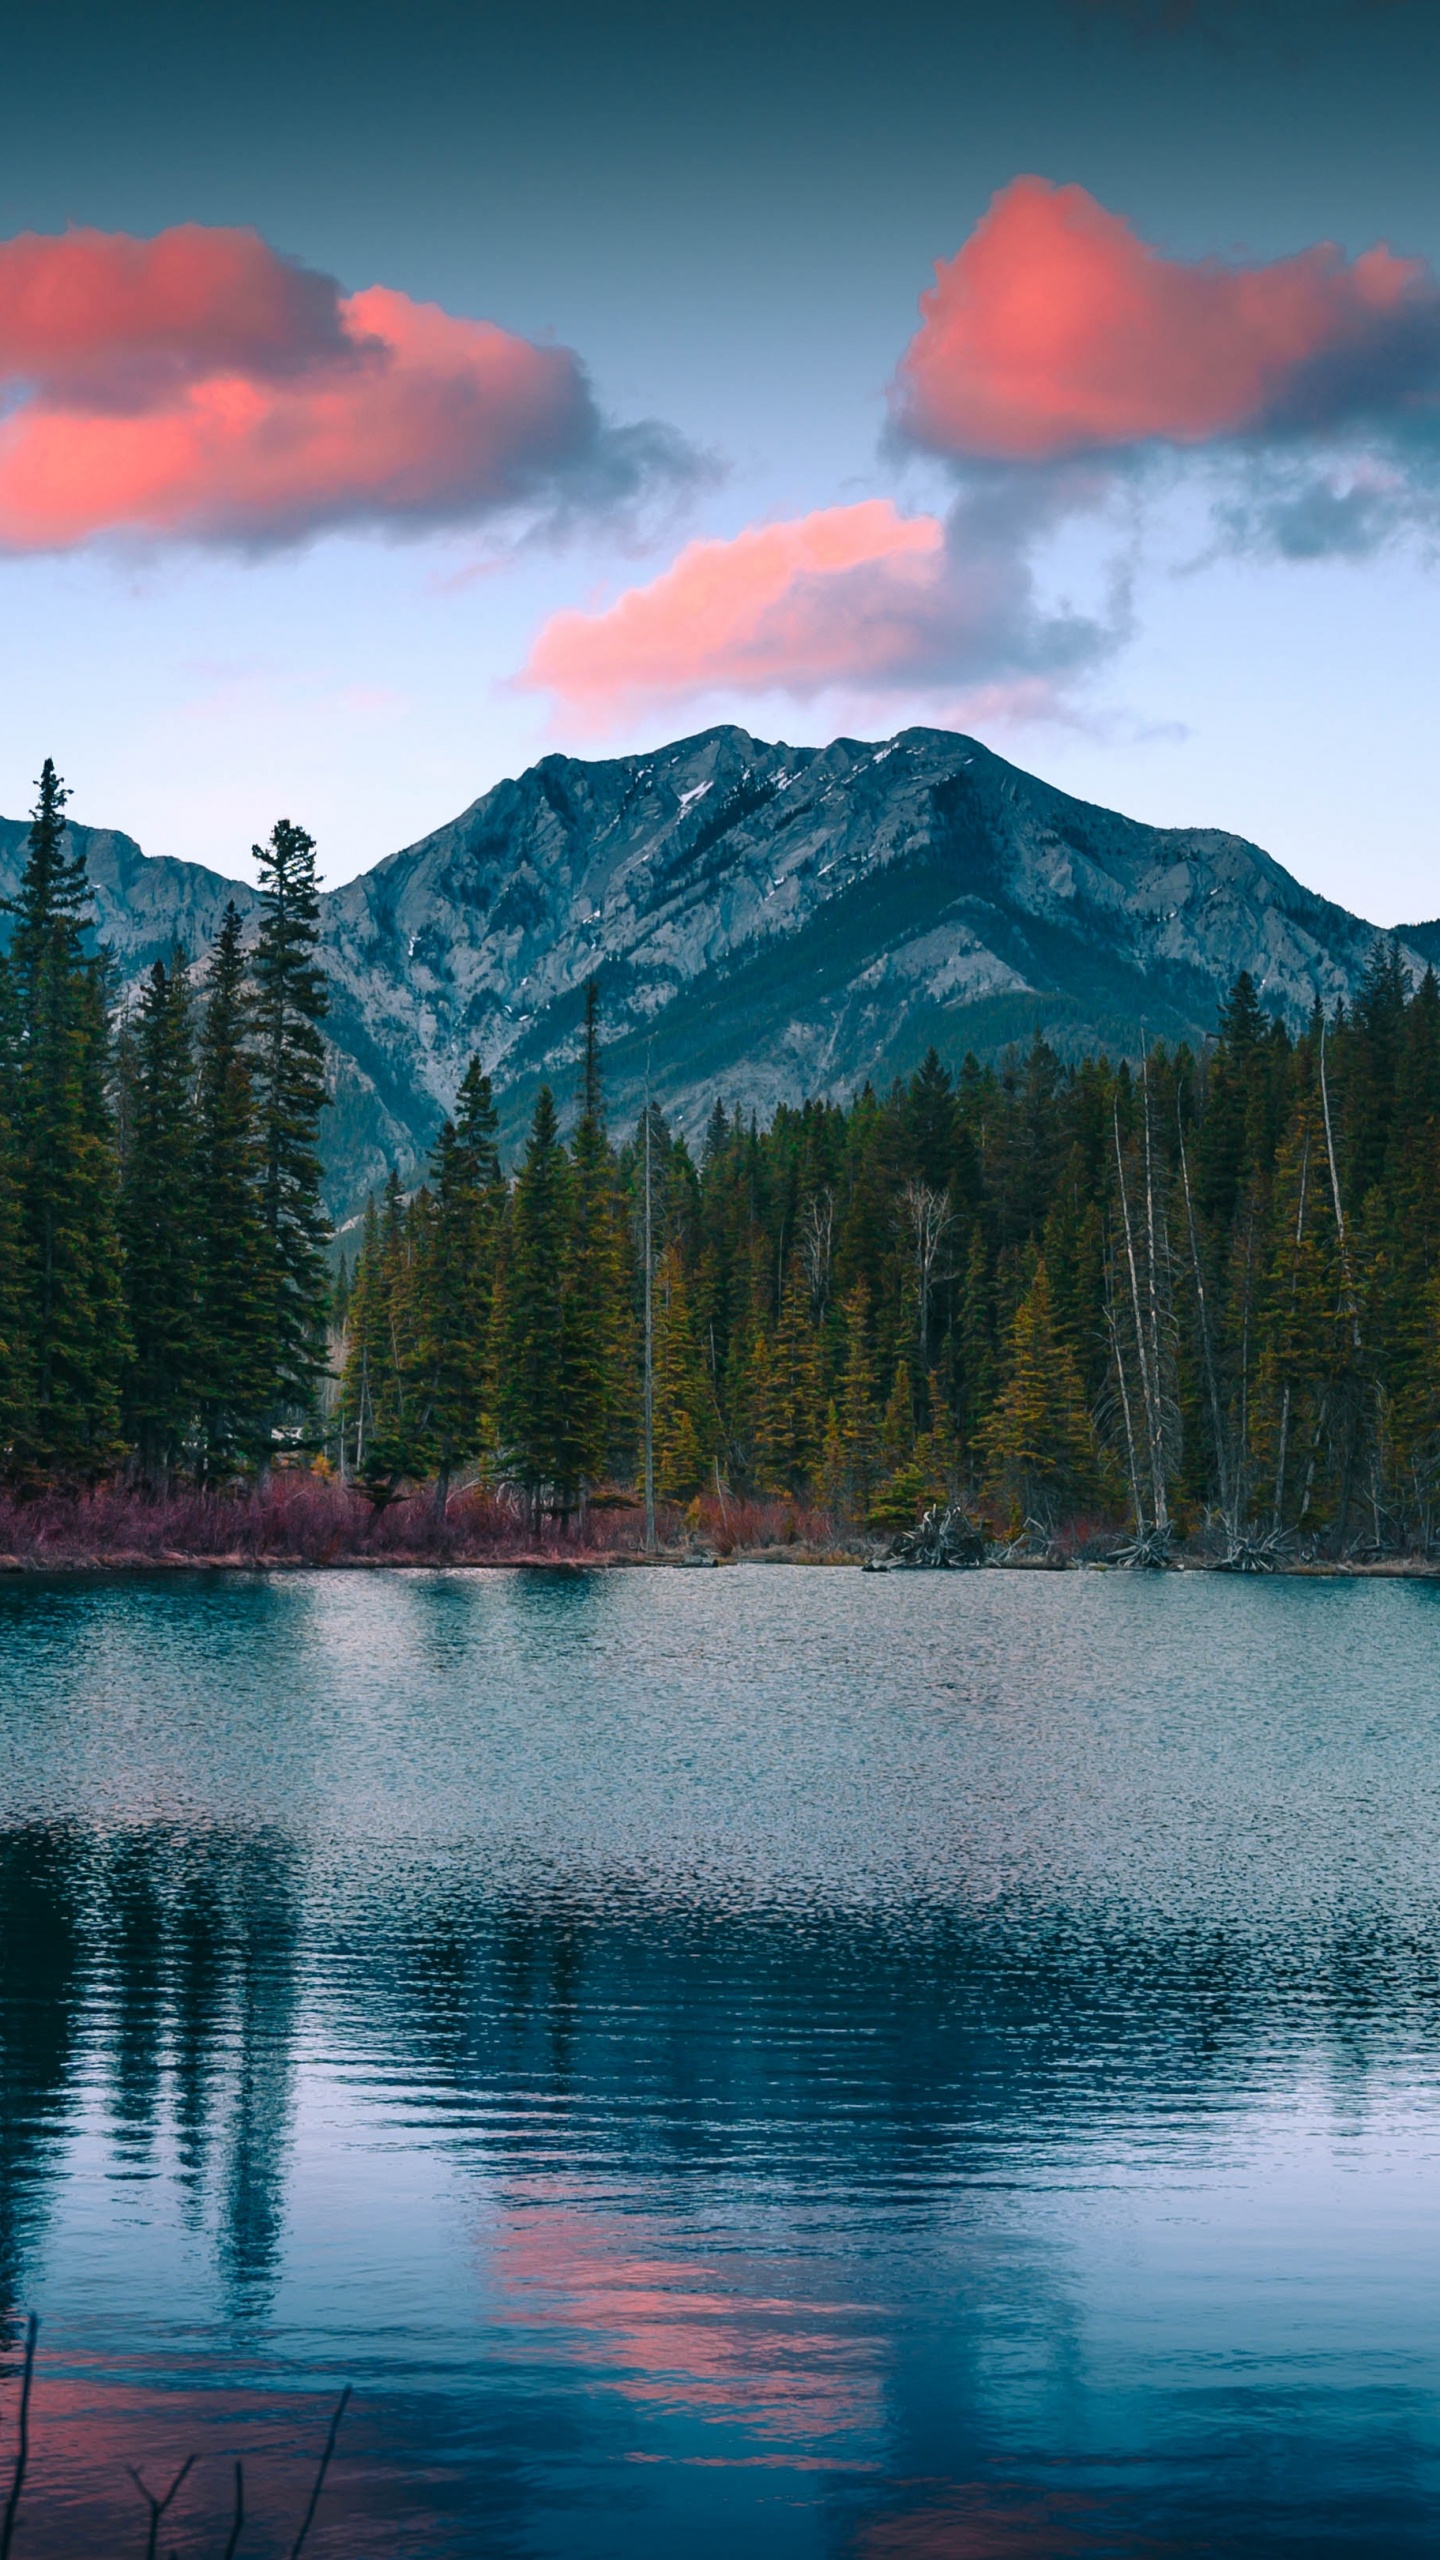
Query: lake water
[[764, 2062]]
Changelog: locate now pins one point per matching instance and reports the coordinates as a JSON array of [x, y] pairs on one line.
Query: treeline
[[164, 1295], [1203, 1289], [1208, 1288]]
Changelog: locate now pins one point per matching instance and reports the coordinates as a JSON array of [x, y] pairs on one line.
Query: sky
[[390, 396]]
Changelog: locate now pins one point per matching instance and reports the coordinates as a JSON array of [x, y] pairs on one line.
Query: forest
[[1189, 1297]]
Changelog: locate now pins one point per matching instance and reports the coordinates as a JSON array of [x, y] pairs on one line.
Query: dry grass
[[298, 1520]]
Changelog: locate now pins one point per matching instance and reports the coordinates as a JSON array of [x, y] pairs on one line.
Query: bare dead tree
[[1350, 1308], [1283, 1450], [817, 1244], [1207, 1345], [1122, 1384], [929, 1219], [1151, 1322]]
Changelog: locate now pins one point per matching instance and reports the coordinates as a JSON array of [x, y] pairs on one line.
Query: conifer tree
[[290, 1003], [158, 1223], [532, 1407], [70, 1255], [396, 1440], [857, 1418], [457, 1280], [598, 1332], [367, 1338], [687, 1426], [1038, 1443], [791, 1420], [14, 1339], [232, 1367]]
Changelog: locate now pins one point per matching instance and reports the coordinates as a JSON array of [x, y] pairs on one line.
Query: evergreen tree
[[598, 1330], [367, 1348], [289, 1071], [69, 1246], [158, 1223], [531, 1400], [457, 1280], [15, 1381], [232, 1368], [687, 1426], [857, 1420], [1038, 1443], [792, 1413]]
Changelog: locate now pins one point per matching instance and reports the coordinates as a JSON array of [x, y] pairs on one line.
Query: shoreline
[[132, 1561]]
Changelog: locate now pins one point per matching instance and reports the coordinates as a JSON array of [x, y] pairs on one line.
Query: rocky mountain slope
[[765, 921]]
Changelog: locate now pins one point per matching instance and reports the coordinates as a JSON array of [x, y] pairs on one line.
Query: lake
[[765, 2061]]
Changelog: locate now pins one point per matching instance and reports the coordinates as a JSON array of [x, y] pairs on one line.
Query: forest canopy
[[1197, 1287]]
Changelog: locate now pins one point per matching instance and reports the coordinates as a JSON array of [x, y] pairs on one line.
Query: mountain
[[766, 922]]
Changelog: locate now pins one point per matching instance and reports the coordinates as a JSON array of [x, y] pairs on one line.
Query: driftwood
[[1149, 1553], [1034, 1544], [944, 1541], [1255, 1551]]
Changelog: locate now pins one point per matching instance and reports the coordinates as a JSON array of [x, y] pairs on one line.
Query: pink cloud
[[198, 386], [1056, 331], [859, 597], [824, 599]]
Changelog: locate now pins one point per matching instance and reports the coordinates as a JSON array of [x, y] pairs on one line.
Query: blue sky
[[730, 218]]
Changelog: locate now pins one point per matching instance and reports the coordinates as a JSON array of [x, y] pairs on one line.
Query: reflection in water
[[853, 2070]]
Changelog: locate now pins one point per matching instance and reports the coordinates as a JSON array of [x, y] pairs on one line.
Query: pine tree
[[289, 1070], [599, 1357], [856, 1412], [792, 1413], [70, 1256], [232, 1367], [687, 1426], [158, 1224], [15, 1378], [457, 1280], [532, 1408], [1038, 1443], [367, 1339]]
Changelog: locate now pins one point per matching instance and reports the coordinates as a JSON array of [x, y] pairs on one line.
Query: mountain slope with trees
[[1199, 1289]]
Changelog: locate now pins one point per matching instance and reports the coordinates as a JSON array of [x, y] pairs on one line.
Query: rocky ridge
[[765, 921]]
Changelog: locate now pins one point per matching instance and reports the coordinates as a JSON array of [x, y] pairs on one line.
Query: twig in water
[[22, 2450], [298, 2544], [238, 2527], [157, 2506]]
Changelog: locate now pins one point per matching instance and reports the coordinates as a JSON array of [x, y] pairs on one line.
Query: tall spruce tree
[[367, 1334], [597, 1369], [233, 1368], [537, 1443], [457, 1280], [14, 1338], [687, 1425], [69, 1245], [290, 1003], [158, 1224], [1039, 1444]]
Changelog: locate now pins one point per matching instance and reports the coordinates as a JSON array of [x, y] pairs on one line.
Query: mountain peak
[[766, 922]]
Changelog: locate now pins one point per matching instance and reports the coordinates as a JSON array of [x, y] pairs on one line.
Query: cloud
[[1341, 506], [1055, 331], [859, 598], [200, 387]]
